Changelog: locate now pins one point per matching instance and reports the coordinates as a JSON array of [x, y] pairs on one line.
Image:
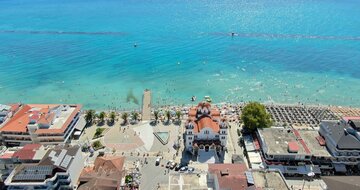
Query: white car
[[157, 162]]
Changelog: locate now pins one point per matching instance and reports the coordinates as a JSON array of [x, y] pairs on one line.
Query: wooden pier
[[146, 105]]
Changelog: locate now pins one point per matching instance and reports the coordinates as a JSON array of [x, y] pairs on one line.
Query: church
[[206, 132]]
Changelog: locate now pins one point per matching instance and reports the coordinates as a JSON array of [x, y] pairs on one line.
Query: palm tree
[[135, 116], [156, 115], [89, 117], [178, 114], [102, 116], [125, 117], [112, 117], [168, 115]]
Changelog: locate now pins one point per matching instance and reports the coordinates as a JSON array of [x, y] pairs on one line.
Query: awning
[[80, 124], [77, 133], [340, 168]]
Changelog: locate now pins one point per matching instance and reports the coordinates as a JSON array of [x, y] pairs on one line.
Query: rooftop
[[49, 118], [27, 152], [277, 141], [107, 172], [341, 133], [203, 116], [178, 181], [57, 159], [60, 156], [272, 180], [309, 136], [230, 176], [342, 182]]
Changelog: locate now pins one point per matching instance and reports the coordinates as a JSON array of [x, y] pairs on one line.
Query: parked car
[[190, 169], [183, 169], [169, 163], [173, 165], [157, 162], [177, 168]]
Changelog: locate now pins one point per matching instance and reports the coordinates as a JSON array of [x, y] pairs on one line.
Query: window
[[217, 136], [206, 132], [190, 132], [222, 137], [189, 143], [189, 138]]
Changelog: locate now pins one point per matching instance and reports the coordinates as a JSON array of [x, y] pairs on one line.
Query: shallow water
[[83, 52]]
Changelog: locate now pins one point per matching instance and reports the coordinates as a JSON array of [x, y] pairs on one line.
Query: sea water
[[100, 53]]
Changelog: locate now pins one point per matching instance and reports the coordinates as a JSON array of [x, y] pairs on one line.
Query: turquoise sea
[[77, 51]]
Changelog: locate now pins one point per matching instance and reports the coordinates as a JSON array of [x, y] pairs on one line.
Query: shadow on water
[[130, 97]]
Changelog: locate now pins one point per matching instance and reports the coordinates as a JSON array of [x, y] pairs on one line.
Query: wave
[[49, 32], [286, 36]]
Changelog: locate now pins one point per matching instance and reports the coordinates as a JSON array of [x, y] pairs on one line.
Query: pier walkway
[[146, 107]]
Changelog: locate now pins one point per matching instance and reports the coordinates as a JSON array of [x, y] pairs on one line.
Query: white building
[[205, 130], [42, 123]]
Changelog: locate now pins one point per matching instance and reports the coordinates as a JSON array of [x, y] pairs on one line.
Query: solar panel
[[52, 155], [60, 157], [66, 161]]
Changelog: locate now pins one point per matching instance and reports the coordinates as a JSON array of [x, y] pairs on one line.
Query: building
[[205, 130], [342, 182], [42, 124], [6, 111], [9, 159], [280, 144], [107, 173], [59, 169], [228, 176], [285, 149], [267, 179], [342, 139]]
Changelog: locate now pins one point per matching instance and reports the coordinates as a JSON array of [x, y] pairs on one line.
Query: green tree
[[112, 117], [89, 116], [135, 116], [96, 145], [125, 117], [98, 132], [168, 115], [102, 116], [156, 115], [178, 115], [254, 116]]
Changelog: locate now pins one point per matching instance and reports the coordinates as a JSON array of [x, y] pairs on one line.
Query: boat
[[207, 98]]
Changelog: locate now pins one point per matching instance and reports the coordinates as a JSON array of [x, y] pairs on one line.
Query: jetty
[[146, 105]]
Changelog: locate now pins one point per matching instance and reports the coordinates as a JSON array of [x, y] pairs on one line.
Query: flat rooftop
[[309, 137], [56, 118], [272, 180], [185, 181], [277, 140], [61, 119]]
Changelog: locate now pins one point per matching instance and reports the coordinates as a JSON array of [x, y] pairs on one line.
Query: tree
[[125, 117], [168, 115], [89, 116], [156, 115], [98, 132], [254, 116], [135, 116], [178, 115], [112, 117], [97, 145], [102, 116]]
